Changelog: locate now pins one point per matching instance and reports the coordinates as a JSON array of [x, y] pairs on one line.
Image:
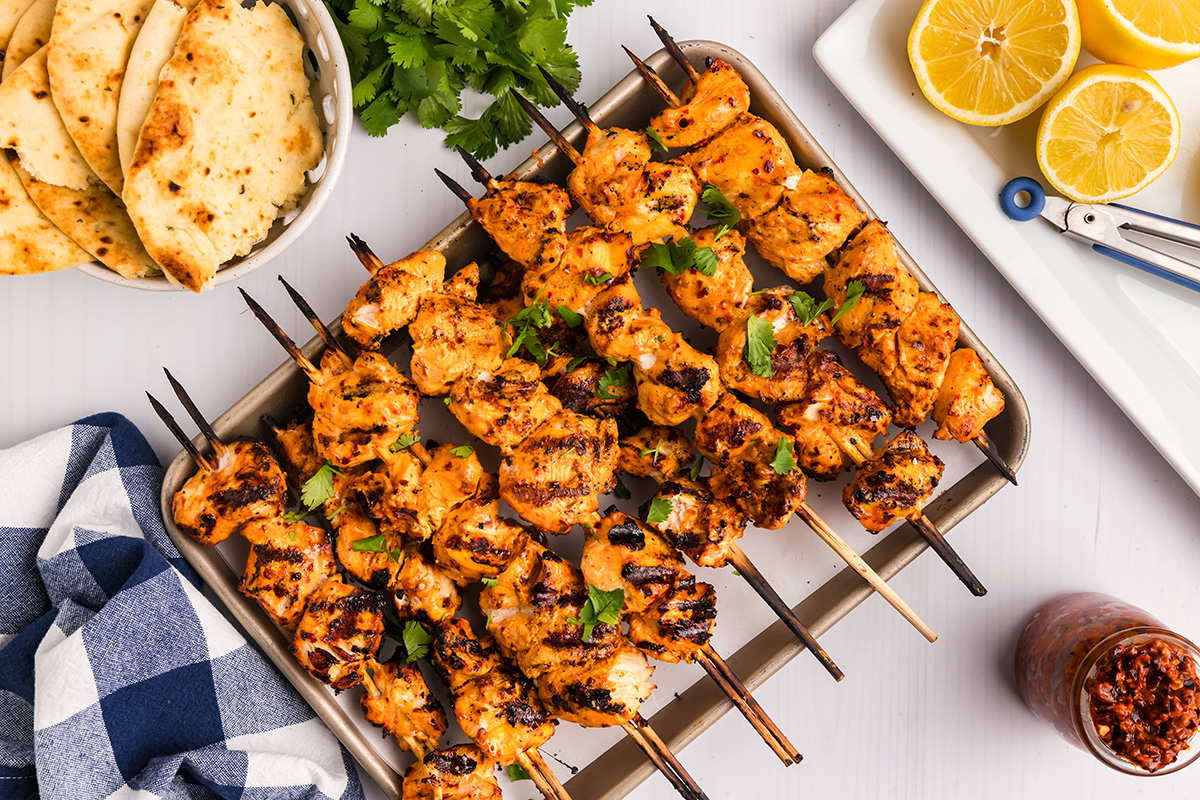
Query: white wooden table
[[1097, 507]]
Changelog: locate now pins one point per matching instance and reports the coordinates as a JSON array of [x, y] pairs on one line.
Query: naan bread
[[153, 47], [89, 46], [11, 12], [227, 141], [29, 242], [95, 218], [31, 125], [30, 35]]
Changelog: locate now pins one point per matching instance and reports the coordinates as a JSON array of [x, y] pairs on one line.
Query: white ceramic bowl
[[329, 76]]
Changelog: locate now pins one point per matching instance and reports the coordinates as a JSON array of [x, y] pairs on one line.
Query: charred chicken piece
[[404, 707], [677, 624], [474, 541], [422, 590], [502, 296], [711, 105], [375, 567], [504, 408], [245, 485], [967, 399], [389, 493], [527, 221], [836, 408], [750, 162], [296, 452], [590, 257], [726, 430], [893, 485], [700, 525], [339, 631], [620, 327], [626, 554], [388, 300], [459, 656], [586, 390], [676, 382], [598, 693], [361, 410], [794, 342], [286, 565], [656, 451], [912, 361], [812, 220], [453, 337], [553, 478], [461, 772], [890, 290], [450, 478], [714, 300]]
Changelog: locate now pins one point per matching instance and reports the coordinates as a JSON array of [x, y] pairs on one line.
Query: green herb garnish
[[660, 510], [517, 773], [621, 491], [655, 452], [785, 456], [405, 441], [319, 488], [527, 322], [462, 451], [489, 581], [292, 517], [336, 511], [807, 308], [854, 290], [656, 142], [594, 281], [760, 343], [601, 608], [417, 640], [572, 319], [678, 257], [695, 472], [371, 544], [618, 376], [574, 363], [720, 209]]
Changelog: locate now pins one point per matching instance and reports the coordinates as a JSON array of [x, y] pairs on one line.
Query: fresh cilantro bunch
[[419, 56]]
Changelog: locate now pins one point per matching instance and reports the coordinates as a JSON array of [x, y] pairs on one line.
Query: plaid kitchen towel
[[118, 679]]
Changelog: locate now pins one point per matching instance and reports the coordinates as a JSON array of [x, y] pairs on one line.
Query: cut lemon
[[992, 62], [1151, 34], [1108, 133]]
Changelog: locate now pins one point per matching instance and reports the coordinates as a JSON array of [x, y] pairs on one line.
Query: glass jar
[[1061, 648]]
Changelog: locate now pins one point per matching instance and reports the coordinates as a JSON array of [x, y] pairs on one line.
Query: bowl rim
[[335, 160]]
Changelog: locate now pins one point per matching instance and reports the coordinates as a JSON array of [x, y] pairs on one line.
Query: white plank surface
[[1097, 509]]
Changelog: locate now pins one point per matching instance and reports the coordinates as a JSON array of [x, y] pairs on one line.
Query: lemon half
[[1109, 132], [1151, 34], [992, 62]]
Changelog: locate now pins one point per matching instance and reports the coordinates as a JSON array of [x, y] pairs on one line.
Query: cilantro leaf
[[720, 209], [417, 640], [655, 452], [706, 260], [405, 441], [572, 319], [621, 491], [854, 290], [574, 363], [785, 456], [463, 450], [618, 376], [336, 511], [371, 544], [760, 343], [319, 488], [601, 607], [695, 472], [807, 308], [527, 322], [292, 517], [596, 281], [678, 257], [489, 581], [517, 773], [656, 142], [660, 510]]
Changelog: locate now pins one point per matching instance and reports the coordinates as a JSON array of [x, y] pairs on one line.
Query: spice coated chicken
[[967, 398], [715, 300], [360, 410], [895, 484], [339, 632], [389, 299], [286, 565], [402, 705], [461, 772], [240, 484]]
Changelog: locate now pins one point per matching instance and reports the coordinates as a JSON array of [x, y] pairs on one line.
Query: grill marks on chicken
[[701, 525], [461, 772], [794, 342], [750, 162], [527, 220], [339, 632], [245, 485], [890, 290], [893, 485], [580, 390], [967, 398], [474, 541], [361, 410], [452, 337], [388, 301], [286, 565], [711, 105], [503, 408], [404, 707]]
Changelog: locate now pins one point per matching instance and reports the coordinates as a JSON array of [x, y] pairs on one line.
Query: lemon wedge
[[1151, 34], [1109, 132], [992, 62]]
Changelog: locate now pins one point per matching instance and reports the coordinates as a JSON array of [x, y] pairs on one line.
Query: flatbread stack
[[150, 135]]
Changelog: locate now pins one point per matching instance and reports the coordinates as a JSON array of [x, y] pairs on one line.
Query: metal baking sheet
[[760, 647]]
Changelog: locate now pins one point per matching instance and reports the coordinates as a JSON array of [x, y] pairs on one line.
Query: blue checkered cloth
[[118, 679]]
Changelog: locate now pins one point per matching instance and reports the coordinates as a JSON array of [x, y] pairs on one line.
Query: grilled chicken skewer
[[707, 113]]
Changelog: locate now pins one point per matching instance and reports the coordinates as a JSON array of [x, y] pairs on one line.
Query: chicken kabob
[[786, 339], [642, 734], [337, 628], [484, 406], [796, 219], [620, 328], [634, 335]]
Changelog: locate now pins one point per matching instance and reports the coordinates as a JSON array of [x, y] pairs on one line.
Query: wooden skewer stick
[[478, 171], [674, 50], [326, 335], [201, 461], [736, 691], [578, 109], [651, 77], [839, 546], [272, 326], [644, 737], [372, 262], [217, 445], [988, 448], [860, 452], [455, 187], [543, 777], [741, 562], [555, 135]]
